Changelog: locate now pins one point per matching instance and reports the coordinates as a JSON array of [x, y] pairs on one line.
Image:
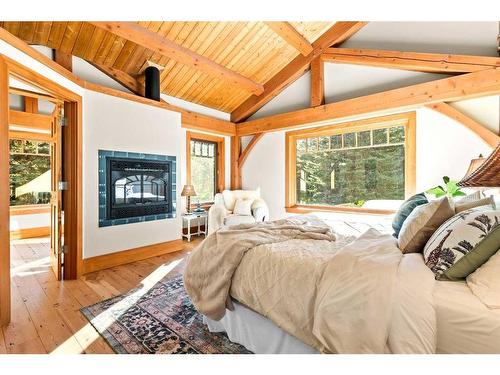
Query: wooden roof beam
[[121, 77], [163, 46], [290, 35], [338, 33], [470, 85], [416, 61]]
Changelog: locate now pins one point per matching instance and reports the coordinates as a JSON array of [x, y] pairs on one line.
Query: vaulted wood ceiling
[[254, 50]]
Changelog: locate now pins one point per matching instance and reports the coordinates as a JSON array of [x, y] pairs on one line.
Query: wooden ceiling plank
[[83, 40], [228, 54], [127, 50], [27, 30], [70, 35], [465, 86], [416, 61], [104, 48], [481, 131], [96, 42], [221, 49], [338, 33], [12, 27], [286, 31], [56, 34], [146, 38], [42, 31], [142, 54], [217, 33]]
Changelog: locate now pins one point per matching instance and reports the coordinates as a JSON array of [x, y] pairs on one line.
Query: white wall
[[112, 123], [29, 221]]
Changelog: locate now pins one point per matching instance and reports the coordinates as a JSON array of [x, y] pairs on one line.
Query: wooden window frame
[[408, 120], [220, 183]]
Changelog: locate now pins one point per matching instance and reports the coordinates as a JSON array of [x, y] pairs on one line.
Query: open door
[[56, 246]]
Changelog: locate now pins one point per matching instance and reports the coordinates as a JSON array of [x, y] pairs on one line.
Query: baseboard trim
[[20, 234], [102, 262]]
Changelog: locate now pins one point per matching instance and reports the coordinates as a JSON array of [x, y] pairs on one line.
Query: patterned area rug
[[161, 321]]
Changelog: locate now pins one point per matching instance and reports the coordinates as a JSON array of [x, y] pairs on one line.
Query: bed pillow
[[485, 282], [405, 210], [464, 205], [243, 207], [463, 243], [422, 223]]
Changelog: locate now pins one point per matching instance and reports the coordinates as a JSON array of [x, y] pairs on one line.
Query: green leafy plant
[[450, 188]]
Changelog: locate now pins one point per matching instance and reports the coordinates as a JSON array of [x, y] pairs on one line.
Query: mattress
[[464, 323]]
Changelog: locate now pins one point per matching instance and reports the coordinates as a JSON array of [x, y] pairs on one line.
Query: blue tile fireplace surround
[[135, 187]]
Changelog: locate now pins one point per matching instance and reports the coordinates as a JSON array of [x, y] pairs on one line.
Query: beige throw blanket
[[211, 266]]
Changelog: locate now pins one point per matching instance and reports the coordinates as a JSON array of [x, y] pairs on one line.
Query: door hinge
[[62, 185], [63, 121], [63, 249]]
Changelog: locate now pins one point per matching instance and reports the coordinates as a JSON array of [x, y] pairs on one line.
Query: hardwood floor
[[46, 314]]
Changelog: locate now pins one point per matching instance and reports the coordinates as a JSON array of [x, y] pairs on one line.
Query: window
[[345, 165], [30, 175], [205, 164]]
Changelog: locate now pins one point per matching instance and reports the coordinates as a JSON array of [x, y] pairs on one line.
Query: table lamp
[[188, 191], [483, 172]]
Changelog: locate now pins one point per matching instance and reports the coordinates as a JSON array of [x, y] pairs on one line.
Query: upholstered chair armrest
[[219, 200], [216, 215], [260, 211]]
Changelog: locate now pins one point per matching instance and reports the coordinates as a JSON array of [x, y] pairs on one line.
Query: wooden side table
[[201, 219]]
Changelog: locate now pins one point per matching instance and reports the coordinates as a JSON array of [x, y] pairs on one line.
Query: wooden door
[[56, 246]]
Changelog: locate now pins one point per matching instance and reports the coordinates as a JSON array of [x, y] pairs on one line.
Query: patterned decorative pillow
[[405, 210], [468, 204], [463, 243]]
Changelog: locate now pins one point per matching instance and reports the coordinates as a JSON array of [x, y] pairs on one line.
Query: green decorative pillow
[[405, 210], [463, 243]]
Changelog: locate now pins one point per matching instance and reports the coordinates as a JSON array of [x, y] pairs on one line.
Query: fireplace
[[135, 187]]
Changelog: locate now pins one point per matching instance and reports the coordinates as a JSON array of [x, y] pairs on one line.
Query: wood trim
[[30, 136], [165, 47], [306, 209], [29, 233], [34, 209], [290, 35], [404, 119], [338, 33], [221, 158], [64, 59], [31, 94], [30, 105], [484, 133], [416, 61], [30, 120], [317, 82], [470, 85], [244, 154], [235, 156], [190, 120], [102, 262], [5, 301]]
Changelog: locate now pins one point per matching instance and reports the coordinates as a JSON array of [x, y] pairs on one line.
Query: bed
[[420, 316]]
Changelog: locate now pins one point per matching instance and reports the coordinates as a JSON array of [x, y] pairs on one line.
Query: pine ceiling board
[[104, 48], [42, 32], [215, 32], [191, 43], [216, 53], [26, 31], [83, 40], [137, 58], [229, 31], [12, 27], [311, 30], [127, 50], [225, 56], [70, 35], [56, 34], [114, 51], [95, 44]]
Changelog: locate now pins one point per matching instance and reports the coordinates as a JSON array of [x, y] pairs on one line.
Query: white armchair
[[221, 212]]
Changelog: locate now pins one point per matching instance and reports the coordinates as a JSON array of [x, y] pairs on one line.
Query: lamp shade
[[188, 191], [485, 173], [474, 164]]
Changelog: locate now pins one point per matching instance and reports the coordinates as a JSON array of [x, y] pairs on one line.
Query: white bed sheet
[[464, 323]]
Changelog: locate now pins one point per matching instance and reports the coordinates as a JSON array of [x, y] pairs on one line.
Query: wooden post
[[317, 82], [64, 59], [235, 166], [4, 196]]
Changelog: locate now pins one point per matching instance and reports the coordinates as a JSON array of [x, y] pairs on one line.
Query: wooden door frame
[[72, 173]]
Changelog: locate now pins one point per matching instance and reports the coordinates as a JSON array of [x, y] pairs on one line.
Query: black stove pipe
[[152, 77]]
